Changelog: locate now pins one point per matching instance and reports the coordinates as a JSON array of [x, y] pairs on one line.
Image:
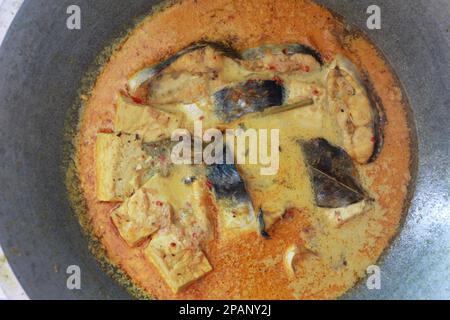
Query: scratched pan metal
[[42, 64]]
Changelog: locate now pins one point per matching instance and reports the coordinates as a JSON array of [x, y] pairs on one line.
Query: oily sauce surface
[[251, 267]]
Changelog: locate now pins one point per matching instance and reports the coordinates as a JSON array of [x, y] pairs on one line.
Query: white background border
[[10, 287]]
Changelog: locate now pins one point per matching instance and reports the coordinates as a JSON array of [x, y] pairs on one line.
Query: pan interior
[[241, 42]]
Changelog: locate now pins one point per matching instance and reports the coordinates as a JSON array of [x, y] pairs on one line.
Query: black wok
[[41, 67]]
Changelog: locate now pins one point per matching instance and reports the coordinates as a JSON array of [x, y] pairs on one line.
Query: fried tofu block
[[177, 261], [150, 123], [106, 154], [158, 203], [141, 215], [119, 166]]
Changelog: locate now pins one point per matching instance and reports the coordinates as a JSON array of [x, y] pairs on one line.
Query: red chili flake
[[209, 184], [315, 92], [373, 139], [159, 203], [162, 158], [306, 68], [327, 56], [201, 118], [272, 67], [285, 51], [137, 100], [289, 213], [278, 80], [106, 131], [173, 244]]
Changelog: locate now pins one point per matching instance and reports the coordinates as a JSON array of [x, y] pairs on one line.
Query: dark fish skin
[[252, 96], [288, 49], [166, 63], [333, 174], [228, 185], [262, 225], [226, 181], [380, 119], [225, 49]]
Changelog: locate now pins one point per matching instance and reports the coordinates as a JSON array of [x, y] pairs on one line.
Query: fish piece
[[195, 76], [188, 74], [236, 214], [225, 178], [282, 58], [358, 114], [281, 49], [252, 96], [178, 87], [150, 123], [178, 262], [198, 71], [211, 72], [148, 73], [333, 174], [119, 165]]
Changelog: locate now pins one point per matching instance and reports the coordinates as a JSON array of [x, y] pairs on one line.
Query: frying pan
[[42, 65]]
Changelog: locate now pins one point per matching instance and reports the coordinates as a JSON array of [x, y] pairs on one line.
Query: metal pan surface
[[42, 65]]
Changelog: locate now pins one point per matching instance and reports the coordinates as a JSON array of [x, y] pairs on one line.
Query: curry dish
[[308, 230]]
